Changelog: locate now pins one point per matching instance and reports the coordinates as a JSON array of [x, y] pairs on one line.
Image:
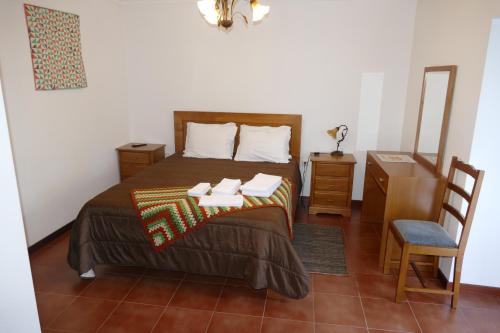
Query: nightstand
[[331, 184], [133, 160]]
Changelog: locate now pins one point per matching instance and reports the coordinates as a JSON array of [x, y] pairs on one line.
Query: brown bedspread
[[253, 245]]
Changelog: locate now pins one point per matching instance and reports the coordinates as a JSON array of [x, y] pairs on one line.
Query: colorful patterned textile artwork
[[55, 48], [169, 214]]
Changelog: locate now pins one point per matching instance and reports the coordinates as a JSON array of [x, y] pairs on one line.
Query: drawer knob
[[381, 180], [369, 163]]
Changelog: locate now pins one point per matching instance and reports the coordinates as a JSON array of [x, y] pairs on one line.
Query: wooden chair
[[430, 238]]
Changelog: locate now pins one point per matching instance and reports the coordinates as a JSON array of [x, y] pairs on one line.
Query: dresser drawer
[[130, 169], [131, 157], [328, 198], [377, 173], [332, 170], [337, 184]]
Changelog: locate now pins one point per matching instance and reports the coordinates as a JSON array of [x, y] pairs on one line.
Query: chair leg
[[388, 252], [456, 281], [435, 267], [403, 270]]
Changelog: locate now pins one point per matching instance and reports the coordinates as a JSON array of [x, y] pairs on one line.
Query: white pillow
[[210, 140], [264, 144]]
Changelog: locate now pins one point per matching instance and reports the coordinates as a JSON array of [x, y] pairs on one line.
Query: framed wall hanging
[[56, 51]]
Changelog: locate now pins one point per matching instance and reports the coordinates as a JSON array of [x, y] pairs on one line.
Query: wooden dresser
[[133, 160], [331, 184], [399, 191]]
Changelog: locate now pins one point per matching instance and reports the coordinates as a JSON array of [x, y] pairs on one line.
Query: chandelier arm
[[243, 16], [233, 3], [219, 6]]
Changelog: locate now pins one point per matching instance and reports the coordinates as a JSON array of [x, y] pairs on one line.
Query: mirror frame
[[446, 117]]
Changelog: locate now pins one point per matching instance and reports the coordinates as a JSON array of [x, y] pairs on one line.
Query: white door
[[18, 311]]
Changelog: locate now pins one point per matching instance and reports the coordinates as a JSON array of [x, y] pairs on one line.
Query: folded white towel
[[227, 187], [261, 183], [216, 200], [199, 190], [260, 194]]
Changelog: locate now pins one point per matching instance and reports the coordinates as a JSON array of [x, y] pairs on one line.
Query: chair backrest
[[470, 198]]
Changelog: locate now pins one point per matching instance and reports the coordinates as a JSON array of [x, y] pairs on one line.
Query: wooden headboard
[[181, 118]]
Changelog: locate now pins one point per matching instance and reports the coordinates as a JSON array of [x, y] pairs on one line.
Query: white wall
[[483, 246], [17, 298], [455, 32], [450, 32], [64, 140], [307, 57]]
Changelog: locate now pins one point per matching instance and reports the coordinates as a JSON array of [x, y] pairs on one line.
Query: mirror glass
[[434, 101], [435, 105]]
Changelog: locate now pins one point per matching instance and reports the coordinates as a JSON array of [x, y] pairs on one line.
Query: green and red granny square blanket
[[169, 214]]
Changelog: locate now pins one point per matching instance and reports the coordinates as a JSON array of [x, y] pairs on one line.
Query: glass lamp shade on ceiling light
[[259, 11], [208, 10], [212, 10]]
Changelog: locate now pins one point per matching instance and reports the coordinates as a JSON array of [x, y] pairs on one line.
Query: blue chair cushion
[[425, 233]]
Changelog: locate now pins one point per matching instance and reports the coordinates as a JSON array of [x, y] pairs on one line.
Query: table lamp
[[334, 133]]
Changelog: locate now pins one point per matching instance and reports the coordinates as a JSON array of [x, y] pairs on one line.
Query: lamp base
[[337, 153]]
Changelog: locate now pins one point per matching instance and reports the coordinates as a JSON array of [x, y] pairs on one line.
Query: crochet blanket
[[169, 214]]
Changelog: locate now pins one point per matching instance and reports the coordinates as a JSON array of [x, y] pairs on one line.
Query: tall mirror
[[435, 107]]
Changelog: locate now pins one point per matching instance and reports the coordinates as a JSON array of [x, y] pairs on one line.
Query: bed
[[253, 245]]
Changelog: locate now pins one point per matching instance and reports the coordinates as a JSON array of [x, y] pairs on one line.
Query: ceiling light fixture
[[222, 12]]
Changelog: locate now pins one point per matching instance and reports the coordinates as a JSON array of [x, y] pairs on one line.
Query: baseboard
[[472, 288], [49, 238], [356, 203]]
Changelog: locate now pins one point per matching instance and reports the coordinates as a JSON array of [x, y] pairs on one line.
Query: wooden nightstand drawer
[[332, 170], [130, 169], [328, 198], [337, 184], [132, 157]]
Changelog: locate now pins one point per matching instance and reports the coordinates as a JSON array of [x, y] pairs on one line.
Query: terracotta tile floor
[[141, 300]]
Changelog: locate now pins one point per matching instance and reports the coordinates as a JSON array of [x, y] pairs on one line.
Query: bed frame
[[181, 118]]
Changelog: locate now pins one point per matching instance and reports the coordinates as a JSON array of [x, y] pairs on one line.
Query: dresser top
[[326, 157], [397, 169], [148, 147]]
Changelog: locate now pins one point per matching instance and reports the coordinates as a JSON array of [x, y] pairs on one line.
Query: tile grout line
[[314, 301], [263, 311], [390, 330], [120, 302], [168, 303], [60, 312], [71, 303], [216, 304], [466, 320], [343, 325], [361, 303], [415, 316]]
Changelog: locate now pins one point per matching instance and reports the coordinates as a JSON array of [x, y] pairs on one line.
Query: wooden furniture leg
[[388, 252], [456, 281], [403, 271]]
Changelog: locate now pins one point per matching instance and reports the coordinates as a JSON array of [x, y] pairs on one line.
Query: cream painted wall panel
[[483, 244], [64, 140], [452, 32], [307, 57], [372, 87]]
